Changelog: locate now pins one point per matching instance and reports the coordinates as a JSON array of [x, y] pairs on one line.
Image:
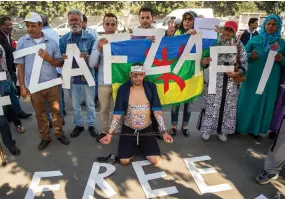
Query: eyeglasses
[[188, 19]]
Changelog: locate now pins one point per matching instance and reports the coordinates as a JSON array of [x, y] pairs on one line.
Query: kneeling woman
[[218, 113]]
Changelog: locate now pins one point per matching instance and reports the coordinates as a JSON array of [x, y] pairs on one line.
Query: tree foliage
[[275, 7], [161, 8]]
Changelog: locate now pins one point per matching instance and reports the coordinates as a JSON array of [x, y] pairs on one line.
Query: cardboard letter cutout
[[68, 71], [34, 85]]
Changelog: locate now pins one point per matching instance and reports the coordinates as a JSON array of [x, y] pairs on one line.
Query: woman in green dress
[[254, 111]]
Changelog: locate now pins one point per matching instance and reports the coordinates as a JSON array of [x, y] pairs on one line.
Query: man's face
[[75, 23], [145, 19], [34, 29], [110, 25], [254, 25], [7, 27], [137, 78], [84, 24]]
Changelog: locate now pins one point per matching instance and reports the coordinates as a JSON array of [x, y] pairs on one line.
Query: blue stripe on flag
[[135, 49]]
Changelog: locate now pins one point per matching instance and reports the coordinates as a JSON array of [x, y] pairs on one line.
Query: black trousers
[[5, 130]]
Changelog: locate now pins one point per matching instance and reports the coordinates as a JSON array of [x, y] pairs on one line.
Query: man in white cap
[[136, 100], [52, 59]]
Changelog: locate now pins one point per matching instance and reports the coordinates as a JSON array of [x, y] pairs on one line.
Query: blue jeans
[[186, 114], [79, 92], [61, 107], [15, 101]]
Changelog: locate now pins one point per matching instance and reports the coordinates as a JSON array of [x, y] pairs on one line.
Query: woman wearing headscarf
[[218, 112], [255, 111], [186, 27]]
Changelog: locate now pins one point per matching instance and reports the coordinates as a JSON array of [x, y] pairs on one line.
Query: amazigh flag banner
[[172, 88]]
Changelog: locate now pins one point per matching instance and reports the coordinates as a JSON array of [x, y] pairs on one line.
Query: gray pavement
[[237, 162]]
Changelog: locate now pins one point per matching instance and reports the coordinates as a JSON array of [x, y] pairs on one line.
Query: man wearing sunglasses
[[110, 24]]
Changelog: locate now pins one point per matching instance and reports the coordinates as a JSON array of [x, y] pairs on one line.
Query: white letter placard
[[35, 187], [34, 85], [214, 68], [68, 71], [96, 178], [143, 179], [197, 175]]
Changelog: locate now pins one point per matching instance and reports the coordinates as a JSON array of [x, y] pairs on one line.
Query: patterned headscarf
[[268, 39]]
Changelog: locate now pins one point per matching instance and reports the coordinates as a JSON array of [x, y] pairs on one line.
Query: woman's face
[[271, 26], [188, 22], [228, 33]]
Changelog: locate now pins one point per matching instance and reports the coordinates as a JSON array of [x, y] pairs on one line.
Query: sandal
[[111, 159], [20, 129]]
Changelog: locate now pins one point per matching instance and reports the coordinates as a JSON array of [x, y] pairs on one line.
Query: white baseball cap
[[33, 17], [137, 68]]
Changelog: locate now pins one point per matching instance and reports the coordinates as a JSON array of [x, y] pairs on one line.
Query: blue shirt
[[92, 32], [122, 99], [86, 43], [49, 32], [48, 72]]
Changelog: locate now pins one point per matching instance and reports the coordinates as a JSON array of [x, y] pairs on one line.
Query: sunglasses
[[188, 19]]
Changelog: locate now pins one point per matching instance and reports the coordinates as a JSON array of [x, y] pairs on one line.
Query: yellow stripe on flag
[[194, 87]]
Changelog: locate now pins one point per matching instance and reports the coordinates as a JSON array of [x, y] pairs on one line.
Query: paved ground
[[235, 165]]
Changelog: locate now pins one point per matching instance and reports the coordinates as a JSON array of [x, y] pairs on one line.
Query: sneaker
[[64, 140], [206, 136], [44, 144], [265, 177], [93, 131], [77, 130], [222, 137]]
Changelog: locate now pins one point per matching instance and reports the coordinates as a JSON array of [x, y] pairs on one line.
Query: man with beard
[[79, 87], [51, 59], [136, 99], [6, 28]]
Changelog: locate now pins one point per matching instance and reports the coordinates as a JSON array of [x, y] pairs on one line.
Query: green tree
[[271, 7]]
